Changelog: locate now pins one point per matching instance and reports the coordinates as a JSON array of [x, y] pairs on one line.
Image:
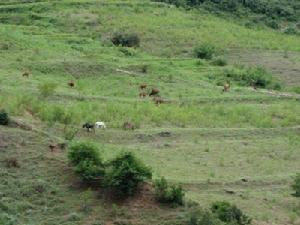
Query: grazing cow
[[100, 125], [12, 163], [71, 83], [89, 127], [154, 92], [143, 86], [143, 95], [26, 74], [52, 147], [226, 87], [128, 126], [158, 100]]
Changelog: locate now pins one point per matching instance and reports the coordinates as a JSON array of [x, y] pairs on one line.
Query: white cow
[[100, 125]]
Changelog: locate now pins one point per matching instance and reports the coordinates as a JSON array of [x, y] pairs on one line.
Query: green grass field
[[216, 138]]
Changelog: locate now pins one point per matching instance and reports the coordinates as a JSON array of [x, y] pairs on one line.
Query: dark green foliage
[[229, 213], [4, 120], [257, 77], [204, 51], [125, 173], [86, 159], [126, 39], [296, 185], [170, 194]]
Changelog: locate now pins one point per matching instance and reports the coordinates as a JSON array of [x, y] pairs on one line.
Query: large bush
[[126, 39], [85, 157], [296, 185], [166, 193], [125, 173], [4, 120], [229, 213]]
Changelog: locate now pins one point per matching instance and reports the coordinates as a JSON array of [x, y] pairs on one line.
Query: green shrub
[[125, 173], [204, 51], [47, 89], [296, 185], [229, 213], [4, 120], [219, 62], [89, 170], [125, 39], [85, 157], [166, 193], [82, 151]]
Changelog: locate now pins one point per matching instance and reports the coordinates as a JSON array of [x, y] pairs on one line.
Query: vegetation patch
[[169, 193], [257, 77]]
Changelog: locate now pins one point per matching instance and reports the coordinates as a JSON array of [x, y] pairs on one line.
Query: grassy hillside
[[216, 138]]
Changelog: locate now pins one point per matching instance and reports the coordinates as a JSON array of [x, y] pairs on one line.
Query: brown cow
[[128, 126], [26, 74], [158, 100], [226, 87], [71, 83], [52, 147], [143, 95], [154, 92], [143, 86], [12, 163]]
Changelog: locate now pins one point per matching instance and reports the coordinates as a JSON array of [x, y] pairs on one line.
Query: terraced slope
[[216, 139]]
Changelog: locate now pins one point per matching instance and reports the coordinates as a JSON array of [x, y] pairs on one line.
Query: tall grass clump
[[125, 173], [47, 89], [86, 159]]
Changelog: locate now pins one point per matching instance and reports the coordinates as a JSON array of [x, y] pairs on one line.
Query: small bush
[[219, 62], [125, 39], [204, 51], [166, 193], [47, 89], [4, 120], [87, 161], [125, 173], [296, 185], [229, 213]]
